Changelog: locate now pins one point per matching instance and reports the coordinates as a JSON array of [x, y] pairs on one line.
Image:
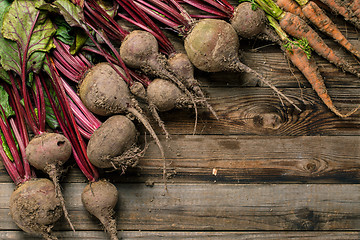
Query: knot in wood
[[268, 121], [314, 166]]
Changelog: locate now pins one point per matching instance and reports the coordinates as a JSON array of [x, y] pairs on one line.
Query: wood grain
[[322, 159], [274, 66], [258, 111], [155, 235], [264, 171], [217, 207]]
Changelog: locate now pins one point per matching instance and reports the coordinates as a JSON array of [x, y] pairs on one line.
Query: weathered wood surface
[[264, 171], [323, 159], [217, 207], [154, 235]]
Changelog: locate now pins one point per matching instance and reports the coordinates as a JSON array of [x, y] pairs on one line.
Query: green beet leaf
[[63, 31], [4, 101], [4, 75], [74, 16], [26, 37]]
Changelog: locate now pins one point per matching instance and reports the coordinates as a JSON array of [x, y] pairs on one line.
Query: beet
[[103, 91], [48, 152], [248, 22], [164, 95], [113, 144], [48, 149], [35, 207], [180, 64], [213, 46], [140, 50], [99, 198]]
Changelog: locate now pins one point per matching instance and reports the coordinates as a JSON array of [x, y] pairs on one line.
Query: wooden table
[[264, 171]]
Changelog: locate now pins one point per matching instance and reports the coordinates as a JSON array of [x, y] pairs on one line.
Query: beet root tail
[[239, 66], [54, 173]]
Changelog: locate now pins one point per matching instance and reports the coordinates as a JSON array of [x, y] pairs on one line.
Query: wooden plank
[[272, 64], [257, 159], [154, 235], [316, 159], [217, 207], [258, 111]]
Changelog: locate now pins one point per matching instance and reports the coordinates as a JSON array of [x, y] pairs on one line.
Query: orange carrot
[[291, 6], [309, 10], [311, 72], [298, 53], [298, 28], [318, 17], [354, 6], [340, 8]]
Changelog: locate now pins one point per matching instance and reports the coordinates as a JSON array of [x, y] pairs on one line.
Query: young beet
[[165, 95], [249, 23], [180, 64], [113, 144], [99, 198], [105, 93], [211, 45], [35, 207], [48, 152], [34, 204]]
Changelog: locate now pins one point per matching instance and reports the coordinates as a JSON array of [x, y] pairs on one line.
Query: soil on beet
[[212, 45], [35, 207], [47, 149], [99, 199], [103, 91], [164, 94], [112, 145], [248, 22]]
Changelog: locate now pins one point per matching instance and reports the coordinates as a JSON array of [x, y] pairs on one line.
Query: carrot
[[318, 17], [311, 72], [298, 28], [354, 6], [339, 8], [299, 56], [291, 6]]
